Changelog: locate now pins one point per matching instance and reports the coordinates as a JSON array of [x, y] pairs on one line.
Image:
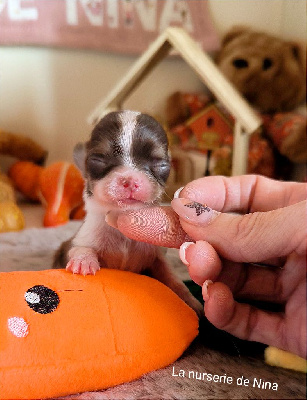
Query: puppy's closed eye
[[160, 169], [99, 165]]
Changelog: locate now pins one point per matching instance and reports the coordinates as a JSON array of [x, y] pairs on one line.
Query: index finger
[[245, 193], [156, 225]]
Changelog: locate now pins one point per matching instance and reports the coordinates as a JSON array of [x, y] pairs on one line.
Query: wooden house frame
[[246, 120]]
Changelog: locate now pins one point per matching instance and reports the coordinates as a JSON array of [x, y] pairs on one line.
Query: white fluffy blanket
[[33, 249]]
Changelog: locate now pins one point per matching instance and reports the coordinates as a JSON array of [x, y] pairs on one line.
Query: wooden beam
[[203, 66], [240, 150], [140, 69]]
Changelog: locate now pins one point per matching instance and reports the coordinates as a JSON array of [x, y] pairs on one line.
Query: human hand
[[227, 249]]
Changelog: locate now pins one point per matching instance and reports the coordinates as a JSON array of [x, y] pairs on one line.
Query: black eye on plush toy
[[267, 64], [240, 63]]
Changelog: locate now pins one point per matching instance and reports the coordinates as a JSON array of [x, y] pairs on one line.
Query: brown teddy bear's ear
[[299, 53], [234, 32]]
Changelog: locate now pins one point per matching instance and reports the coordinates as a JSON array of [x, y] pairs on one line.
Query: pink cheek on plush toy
[[18, 327], [125, 186]]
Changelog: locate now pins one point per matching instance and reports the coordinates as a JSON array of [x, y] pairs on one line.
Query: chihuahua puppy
[[125, 165]]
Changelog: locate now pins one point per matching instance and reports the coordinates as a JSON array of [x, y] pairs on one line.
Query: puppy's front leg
[[161, 271], [83, 260]]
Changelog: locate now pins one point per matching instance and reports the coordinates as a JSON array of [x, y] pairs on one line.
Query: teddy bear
[[271, 74], [268, 71]]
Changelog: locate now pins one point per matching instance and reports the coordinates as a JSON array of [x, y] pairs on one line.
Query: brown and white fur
[[125, 165]]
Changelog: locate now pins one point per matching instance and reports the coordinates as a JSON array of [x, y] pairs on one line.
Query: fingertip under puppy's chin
[[111, 219]]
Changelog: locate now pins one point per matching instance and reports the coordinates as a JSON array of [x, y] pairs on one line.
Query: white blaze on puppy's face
[[127, 161], [128, 120]]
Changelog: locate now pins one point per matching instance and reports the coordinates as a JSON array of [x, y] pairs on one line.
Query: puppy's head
[[126, 161]]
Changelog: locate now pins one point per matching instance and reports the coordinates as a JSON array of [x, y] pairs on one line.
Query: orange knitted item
[[63, 333]]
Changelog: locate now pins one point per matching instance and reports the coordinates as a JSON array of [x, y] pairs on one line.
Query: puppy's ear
[[79, 155]]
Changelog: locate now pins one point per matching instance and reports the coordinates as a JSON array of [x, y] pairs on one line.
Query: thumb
[[251, 237]]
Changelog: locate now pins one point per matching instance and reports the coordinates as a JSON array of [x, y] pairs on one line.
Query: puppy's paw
[[85, 264]]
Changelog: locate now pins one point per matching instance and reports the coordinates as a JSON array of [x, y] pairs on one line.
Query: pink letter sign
[[125, 26]]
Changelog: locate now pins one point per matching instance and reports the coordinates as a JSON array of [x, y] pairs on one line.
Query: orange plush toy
[[63, 333], [59, 186]]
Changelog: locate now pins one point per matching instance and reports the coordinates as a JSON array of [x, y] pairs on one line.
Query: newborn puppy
[[125, 165]]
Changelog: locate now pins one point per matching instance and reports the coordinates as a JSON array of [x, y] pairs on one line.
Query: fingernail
[[193, 212], [182, 251], [177, 193], [111, 219], [206, 284]]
